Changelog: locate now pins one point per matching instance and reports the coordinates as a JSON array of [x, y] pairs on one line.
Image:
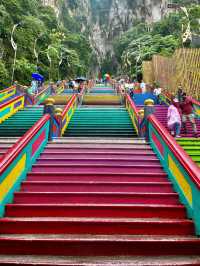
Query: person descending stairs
[[18, 124], [97, 201]]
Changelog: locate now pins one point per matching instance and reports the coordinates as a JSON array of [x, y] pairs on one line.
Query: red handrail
[[68, 105], [10, 88], [15, 150], [187, 163], [12, 100]]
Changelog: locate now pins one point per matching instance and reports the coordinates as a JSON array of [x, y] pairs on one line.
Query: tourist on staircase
[[187, 113], [174, 119], [157, 91], [143, 87]]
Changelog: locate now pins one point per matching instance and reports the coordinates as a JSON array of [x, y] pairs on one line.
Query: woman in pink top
[[174, 119]]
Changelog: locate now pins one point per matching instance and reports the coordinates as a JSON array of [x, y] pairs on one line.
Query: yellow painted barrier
[[11, 107]]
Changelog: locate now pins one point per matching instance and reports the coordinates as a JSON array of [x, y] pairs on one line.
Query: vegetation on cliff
[[62, 50], [141, 42]]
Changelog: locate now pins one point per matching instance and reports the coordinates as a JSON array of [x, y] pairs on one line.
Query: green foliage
[[24, 69], [40, 29], [3, 72], [140, 44]]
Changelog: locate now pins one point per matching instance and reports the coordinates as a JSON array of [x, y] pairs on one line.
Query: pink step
[[180, 260], [98, 226], [97, 146], [109, 162], [96, 156], [98, 198], [95, 210], [97, 151], [95, 187]]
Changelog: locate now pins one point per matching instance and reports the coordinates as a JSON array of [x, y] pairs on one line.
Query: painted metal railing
[[68, 112], [11, 107], [60, 89], [5, 94], [196, 105], [182, 171], [61, 119], [19, 159], [165, 98], [38, 98], [132, 110]]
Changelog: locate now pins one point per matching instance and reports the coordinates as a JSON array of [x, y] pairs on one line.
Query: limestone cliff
[[104, 20]]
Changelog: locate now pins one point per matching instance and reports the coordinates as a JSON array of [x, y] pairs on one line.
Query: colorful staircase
[[102, 96], [19, 123], [90, 200], [100, 121], [161, 114], [97, 197], [5, 144]]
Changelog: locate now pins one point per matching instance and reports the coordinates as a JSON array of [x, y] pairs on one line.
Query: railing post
[[148, 110], [57, 123], [49, 109]]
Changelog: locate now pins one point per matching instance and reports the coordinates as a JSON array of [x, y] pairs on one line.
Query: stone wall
[[183, 68]]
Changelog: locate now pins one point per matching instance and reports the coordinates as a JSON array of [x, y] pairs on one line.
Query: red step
[[77, 168], [121, 162], [98, 198], [94, 245], [94, 156], [41, 186], [95, 210], [98, 226], [99, 151], [111, 177]]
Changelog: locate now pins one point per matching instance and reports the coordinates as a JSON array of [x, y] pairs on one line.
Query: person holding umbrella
[[37, 81]]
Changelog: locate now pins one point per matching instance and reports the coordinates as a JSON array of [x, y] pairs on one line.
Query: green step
[[21, 122], [105, 122]]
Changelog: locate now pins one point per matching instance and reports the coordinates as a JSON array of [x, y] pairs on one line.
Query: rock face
[[104, 20]]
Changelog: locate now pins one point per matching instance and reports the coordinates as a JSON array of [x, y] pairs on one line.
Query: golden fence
[[183, 68]]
